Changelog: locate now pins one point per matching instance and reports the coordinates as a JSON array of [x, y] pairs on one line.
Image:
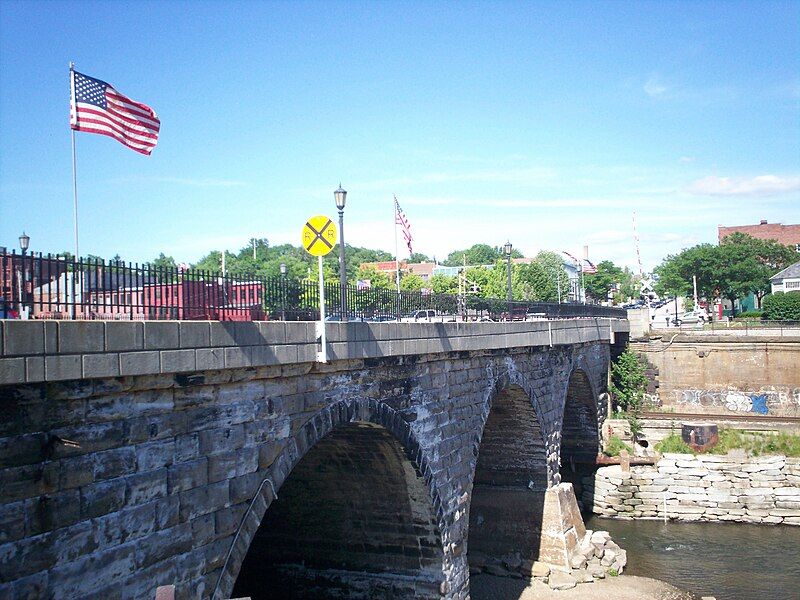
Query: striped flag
[[400, 219], [96, 107], [588, 267]]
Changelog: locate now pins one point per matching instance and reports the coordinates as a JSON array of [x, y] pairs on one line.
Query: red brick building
[[788, 235]]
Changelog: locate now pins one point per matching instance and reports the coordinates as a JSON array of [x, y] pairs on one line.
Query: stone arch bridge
[[223, 459]]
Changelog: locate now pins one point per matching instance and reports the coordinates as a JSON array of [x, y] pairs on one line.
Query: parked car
[[427, 315], [7, 310], [693, 316]]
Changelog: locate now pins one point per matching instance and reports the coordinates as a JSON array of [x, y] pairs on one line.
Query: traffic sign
[[319, 235]]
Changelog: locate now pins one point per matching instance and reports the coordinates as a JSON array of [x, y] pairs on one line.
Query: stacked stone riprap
[[595, 557], [762, 489]]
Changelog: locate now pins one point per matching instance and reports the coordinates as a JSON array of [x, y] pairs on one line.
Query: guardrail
[[743, 328], [52, 287]]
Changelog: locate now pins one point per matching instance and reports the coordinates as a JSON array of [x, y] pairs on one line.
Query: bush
[[673, 443], [757, 444], [782, 307], [628, 382], [750, 315], [615, 446]]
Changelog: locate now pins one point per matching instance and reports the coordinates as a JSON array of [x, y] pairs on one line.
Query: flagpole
[[73, 117], [396, 259]]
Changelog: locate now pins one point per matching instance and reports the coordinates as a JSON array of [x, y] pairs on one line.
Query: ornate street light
[[507, 249], [24, 242], [341, 197]]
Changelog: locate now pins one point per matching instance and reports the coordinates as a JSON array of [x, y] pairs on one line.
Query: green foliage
[[613, 572], [757, 443], [411, 282], [751, 315], [164, 262], [741, 264], [628, 381], [635, 424], [443, 284], [615, 445], [418, 257], [674, 443], [377, 279], [598, 285], [478, 254], [782, 307], [541, 280]]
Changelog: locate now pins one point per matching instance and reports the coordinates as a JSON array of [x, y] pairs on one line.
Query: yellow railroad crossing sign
[[319, 235]]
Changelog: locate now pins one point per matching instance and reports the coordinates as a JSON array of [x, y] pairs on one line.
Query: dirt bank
[[625, 587]]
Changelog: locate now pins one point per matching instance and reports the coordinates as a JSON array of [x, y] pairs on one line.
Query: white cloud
[[653, 86], [762, 185]]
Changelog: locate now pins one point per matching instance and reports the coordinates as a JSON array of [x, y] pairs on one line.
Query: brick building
[[788, 235]]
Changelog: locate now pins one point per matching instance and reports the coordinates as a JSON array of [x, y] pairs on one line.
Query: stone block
[[124, 336], [187, 475], [210, 359], [272, 332], [81, 337], [59, 368], [161, 335], [23, 337], [144, 487], [176, 361], [102, 498], [100, 365], [12, 370], [139, 363], [194, 334], [34, 369]]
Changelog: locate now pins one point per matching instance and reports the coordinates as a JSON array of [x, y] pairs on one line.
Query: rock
[[578, 561], [497, 570], [539, 569], [582, 576], [597, 572], [561, 581], [513, 561]]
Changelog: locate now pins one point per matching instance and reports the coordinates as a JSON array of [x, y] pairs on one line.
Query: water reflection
[[729, 561]]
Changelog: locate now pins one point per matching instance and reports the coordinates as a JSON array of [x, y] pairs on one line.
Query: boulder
[[561, 581]]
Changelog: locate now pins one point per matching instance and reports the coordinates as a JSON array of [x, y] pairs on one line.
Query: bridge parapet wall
[[38, 351]]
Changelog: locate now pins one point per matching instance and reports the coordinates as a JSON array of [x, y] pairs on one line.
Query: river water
[[730, 561]]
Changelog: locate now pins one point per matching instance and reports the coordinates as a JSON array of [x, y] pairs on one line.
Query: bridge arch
[[580, 428], [510, 480], [350, 495]]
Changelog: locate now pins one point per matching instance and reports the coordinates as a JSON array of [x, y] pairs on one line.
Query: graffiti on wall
[[762, 401]]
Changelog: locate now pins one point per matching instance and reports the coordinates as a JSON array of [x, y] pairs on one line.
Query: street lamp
[[24, 242], [283, 291], [341, 196], [507, 249]]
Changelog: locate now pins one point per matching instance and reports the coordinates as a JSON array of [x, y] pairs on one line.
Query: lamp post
[[283, 291], [24, 243], [507, 249], [341, 196]]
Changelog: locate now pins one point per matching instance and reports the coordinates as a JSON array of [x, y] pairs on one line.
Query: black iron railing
[[52, 287]]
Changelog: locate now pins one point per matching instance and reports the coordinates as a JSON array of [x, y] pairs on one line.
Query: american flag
[[400, 219], [96, 107], [588, 267]]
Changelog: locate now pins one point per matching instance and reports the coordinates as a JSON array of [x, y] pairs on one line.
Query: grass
[[674, 443], [754, 444], [613, 572], [615, 446]]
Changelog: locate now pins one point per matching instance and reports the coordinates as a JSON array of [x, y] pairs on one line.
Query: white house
[[787, 280]]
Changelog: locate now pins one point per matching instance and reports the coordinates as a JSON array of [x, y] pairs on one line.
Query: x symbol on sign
[[318, 235]]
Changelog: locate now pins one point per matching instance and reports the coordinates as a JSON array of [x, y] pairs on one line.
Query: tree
[[418, 257], [411, 282], [598, 285], [163, 262], [444, 284], [628, 381], [377, 279], [478, 254]]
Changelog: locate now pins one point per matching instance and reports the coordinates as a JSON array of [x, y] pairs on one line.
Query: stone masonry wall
[[707, 487], [163, 478]]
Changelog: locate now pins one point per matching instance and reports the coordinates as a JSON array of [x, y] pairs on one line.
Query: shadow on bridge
[[509, 488], [353, 519], [580, 437]]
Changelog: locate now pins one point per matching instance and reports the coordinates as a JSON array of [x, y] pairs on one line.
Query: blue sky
[[547, 124]]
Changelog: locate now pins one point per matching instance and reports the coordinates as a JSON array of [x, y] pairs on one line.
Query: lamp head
[[24, 241], [283, 269], [507, 248], [341, 197]]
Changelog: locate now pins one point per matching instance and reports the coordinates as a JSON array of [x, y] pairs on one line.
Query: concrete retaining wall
[[762, 489]]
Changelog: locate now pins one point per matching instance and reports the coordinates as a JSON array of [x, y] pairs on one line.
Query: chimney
[[763, 221], [586, 252]]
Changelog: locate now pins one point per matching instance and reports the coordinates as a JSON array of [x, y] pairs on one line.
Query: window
[[791, 284], [797, 247]]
